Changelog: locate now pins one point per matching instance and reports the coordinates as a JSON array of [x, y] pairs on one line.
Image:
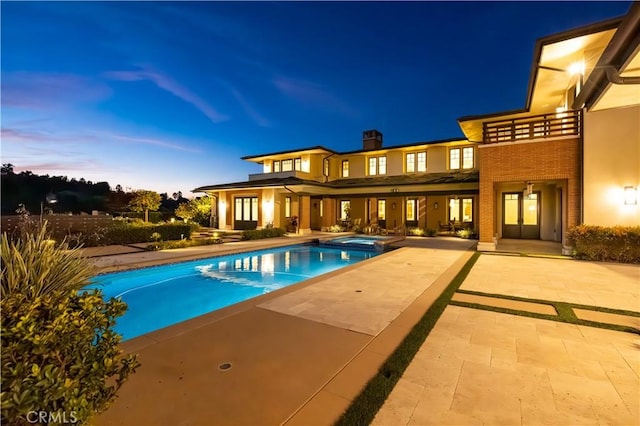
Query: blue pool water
[[368, 240], [160, 296]]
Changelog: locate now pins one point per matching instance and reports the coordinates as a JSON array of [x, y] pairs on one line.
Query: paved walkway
[[481, 367]]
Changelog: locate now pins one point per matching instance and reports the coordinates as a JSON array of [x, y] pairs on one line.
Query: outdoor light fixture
[[50, 199], [576, 68], [393, 206], [630, 196], [435, 205]]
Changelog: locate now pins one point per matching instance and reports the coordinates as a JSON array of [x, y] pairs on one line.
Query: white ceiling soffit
[[552, 84], [622, 95]]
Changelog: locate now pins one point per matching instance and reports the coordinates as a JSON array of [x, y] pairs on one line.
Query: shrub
[[59, 351], [140, 233], [167, 245], [154, 217], [416, 231], [256, 234], [613, 244], [336, 228], [467, 233], [430, 232]]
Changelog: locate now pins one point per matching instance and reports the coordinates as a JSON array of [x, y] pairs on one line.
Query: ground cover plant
[[60, 354], [258, 234]]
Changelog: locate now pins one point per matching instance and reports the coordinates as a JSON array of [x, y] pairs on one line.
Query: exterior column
[[328, 212], [223, 211], [304, 216]]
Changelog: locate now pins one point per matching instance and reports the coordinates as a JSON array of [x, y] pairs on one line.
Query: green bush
[[59, 351], [419, 232], [140, 233], [167, 245], [154, 217], [430, 232], [608, 244], [256, 234], [467, 234]]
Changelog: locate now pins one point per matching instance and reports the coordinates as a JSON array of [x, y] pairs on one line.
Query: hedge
[[128, 234], [262, 233], [607, 244]]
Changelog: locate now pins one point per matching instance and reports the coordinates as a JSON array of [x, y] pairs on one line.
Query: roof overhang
[[289, 154], [559, 62]]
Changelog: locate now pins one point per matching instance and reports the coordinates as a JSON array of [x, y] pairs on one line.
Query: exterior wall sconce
[[630, 196], [435, 205], [393, 206]]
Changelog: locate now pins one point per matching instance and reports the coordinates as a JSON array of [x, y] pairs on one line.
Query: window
[[326, 167], [345, 168], [377, 166], [467, 157], [287, 165], [411, 162], [382, 165], [461, 210], [238, 209], [466, 160], [373, 166], [454, 158], [345, 207], [422, 161], [246, 209], [276, 166], [297, 164], [382, 209], [412, 207], [287, 207], [321, 208]]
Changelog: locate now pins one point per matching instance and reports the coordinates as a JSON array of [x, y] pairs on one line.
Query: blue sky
[[168, 96]]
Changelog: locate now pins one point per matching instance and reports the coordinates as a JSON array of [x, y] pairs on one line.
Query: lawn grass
[[365, 406]]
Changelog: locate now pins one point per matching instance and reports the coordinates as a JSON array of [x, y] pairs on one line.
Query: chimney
[[371, 139]]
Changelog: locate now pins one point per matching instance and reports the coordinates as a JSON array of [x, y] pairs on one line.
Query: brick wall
[[533, 161]]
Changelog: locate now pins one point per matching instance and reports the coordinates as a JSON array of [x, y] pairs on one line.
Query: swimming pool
[[161, 296], [363, 242]]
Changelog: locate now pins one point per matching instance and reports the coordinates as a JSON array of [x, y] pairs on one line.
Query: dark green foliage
[[608, 244], [132, 233], [167, 245], [154, 217], [364, 408], [60, 353], [262, 233]]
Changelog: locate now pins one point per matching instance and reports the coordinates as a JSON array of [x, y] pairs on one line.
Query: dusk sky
[[168, 96]]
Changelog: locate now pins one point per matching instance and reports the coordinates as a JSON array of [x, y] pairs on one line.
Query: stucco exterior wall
[[611, 162]]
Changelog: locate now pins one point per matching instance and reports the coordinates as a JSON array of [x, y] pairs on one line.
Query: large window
[[411, 162], [377, 166], [422, 161], [287, 165], [345, 168], [246, 209], [276, 166], [345, 207], [297, 164], [287, 207], [382, 209], [412, 209], [461, 210], [461, 158]]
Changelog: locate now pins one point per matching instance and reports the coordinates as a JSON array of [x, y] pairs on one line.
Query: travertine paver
[[357, 302], [480, 367], [537, 308], [608, 318], [608, 285]]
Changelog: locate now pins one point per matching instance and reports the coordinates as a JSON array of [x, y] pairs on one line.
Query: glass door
[[521, 215]]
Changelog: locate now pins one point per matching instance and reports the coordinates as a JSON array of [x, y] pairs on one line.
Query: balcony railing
[[541, 126]]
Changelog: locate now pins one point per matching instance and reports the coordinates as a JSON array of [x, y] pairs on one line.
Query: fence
[[62, 224]]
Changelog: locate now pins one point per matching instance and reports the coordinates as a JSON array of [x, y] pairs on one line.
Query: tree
[[7, 168], [198, 209], [143, 201]]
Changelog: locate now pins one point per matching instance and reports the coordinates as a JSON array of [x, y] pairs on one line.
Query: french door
[[521, 215], [246, 213]]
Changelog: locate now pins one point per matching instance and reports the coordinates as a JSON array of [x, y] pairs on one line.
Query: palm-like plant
[[35, 265]]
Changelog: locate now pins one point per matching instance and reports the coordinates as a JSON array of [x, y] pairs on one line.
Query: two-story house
[[424, 184], [570, 156]]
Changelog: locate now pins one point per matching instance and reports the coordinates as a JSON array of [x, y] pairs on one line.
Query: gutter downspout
[[626, 37], [326, 176]]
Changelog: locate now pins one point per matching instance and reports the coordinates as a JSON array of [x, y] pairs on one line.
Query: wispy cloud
[[53, 167], [149, 141], [41, 136], [312, 95], [47, 90], [250, 110], [167, 83]]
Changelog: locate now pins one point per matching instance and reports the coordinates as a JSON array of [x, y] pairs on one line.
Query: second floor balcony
[[543, 126]]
